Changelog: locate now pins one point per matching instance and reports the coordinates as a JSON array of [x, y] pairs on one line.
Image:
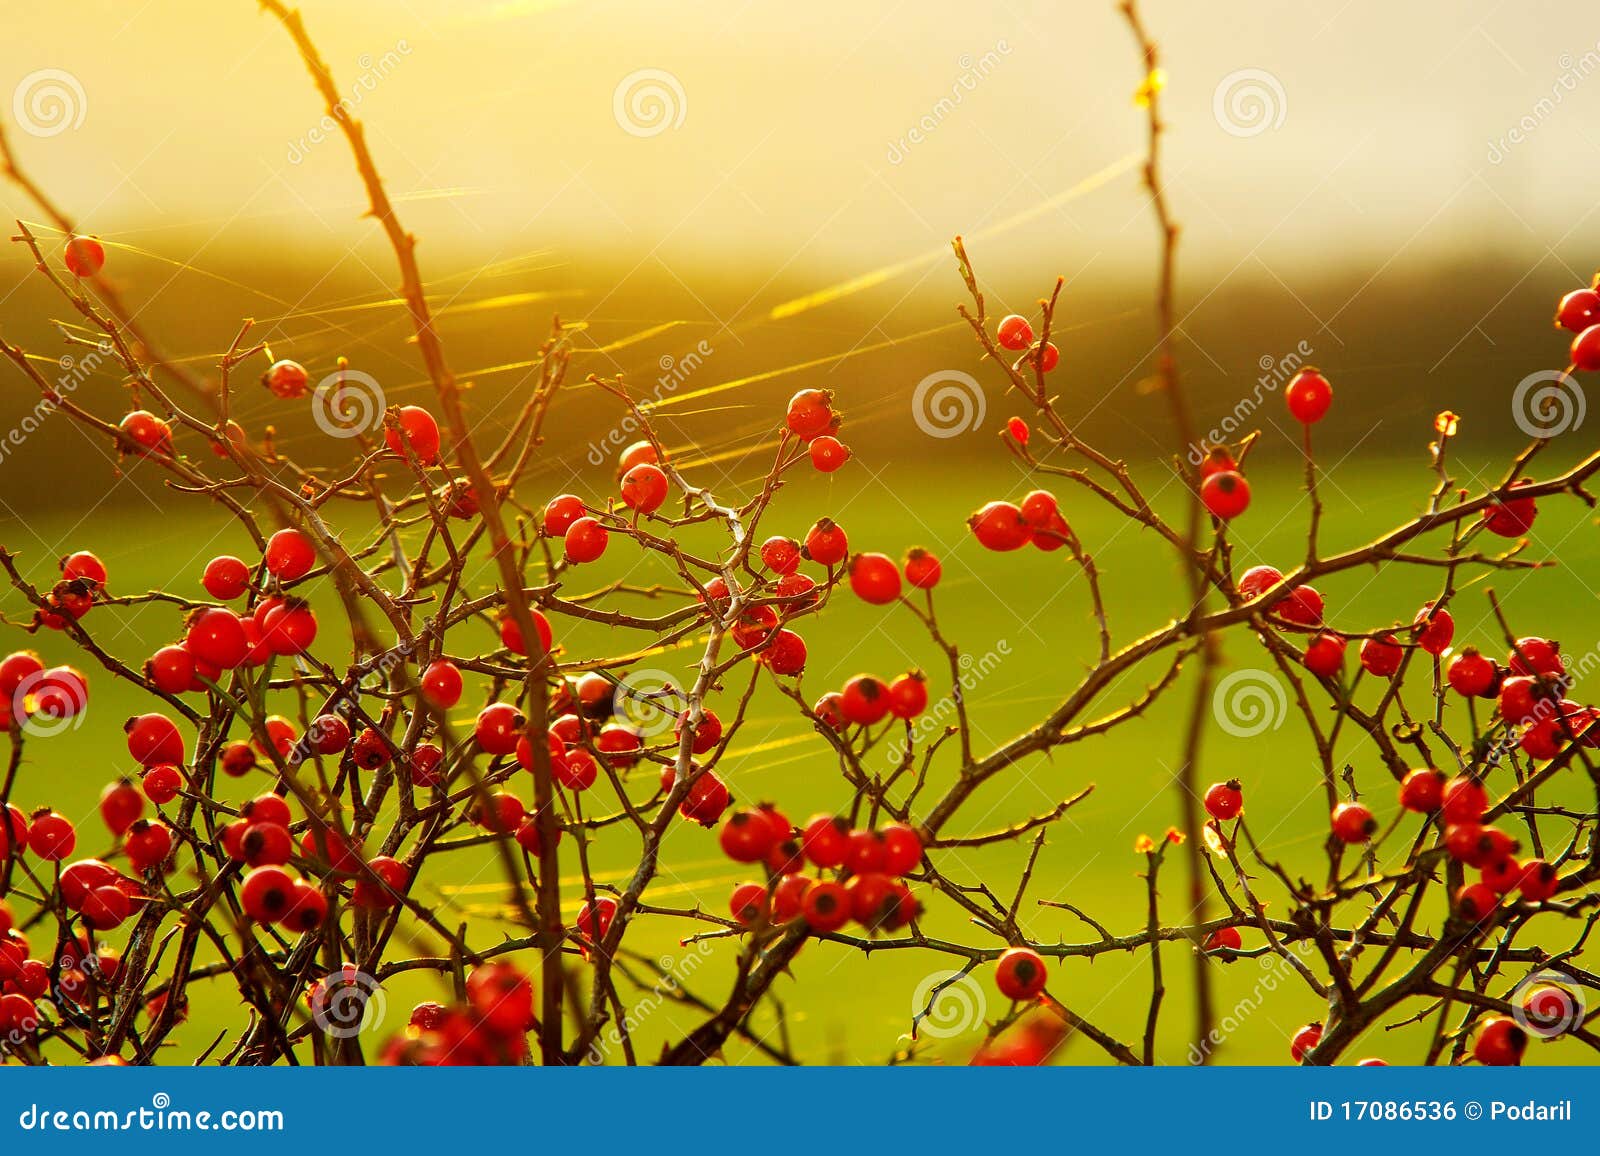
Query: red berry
[[1471, 674], [1257, 580], [152, 739], [826, 906], [83, 565], [498, 726], [290, 555], [826, 840], [1525, 697], [1438, 628], [1224, 937], [1020, 973], [1309, 395], [1540, 880], [370, 749], [1048, 357], [828, 453], [1000, 526], [1501, 875], [501, 812], [1217, 460], [149, 434], [826, 543], [706, 735], [785, 654], [1353, 823], [1226, 495], [1500, 1043], [595, 916], [1476, 902], [908, 695], [502, 995], [922, 568], [1304, 1041], [644, 488], [308, 907], [51, 836], [1586, 349], [634, 454], [1014, 333], [561, 512], [424, 765], [1225, 801], [84, 256], [225, 577], [266, 894], [441, 684], [417, 430], [120, 804], [266, 845], [238, 760], [1579, 310], [577, 771], [781, 555], [902, 849], [162, 784], [511, 635], [865, 700], [286, 379], [216, 636], [585, 540], [1018, 429], [874, 578], [385, 890], [1382, 655], [1513, 517], [15, 669], [1536, 656], [864, 851], [268, 808], [170, 670], [1325, 655], [746, 837], [810, 413], [1422, 790], [748, 903]]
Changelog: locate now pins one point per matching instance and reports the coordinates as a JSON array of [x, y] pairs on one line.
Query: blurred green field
[[1025, 620]]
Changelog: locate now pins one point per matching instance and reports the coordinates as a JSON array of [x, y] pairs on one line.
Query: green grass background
[[1029, 609]]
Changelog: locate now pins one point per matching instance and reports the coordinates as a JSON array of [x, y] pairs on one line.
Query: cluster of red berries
[[869, 862], [1579, 313], [867, 700], [1003, 526], [1014, 333], [489, 1027], [812, 419]]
